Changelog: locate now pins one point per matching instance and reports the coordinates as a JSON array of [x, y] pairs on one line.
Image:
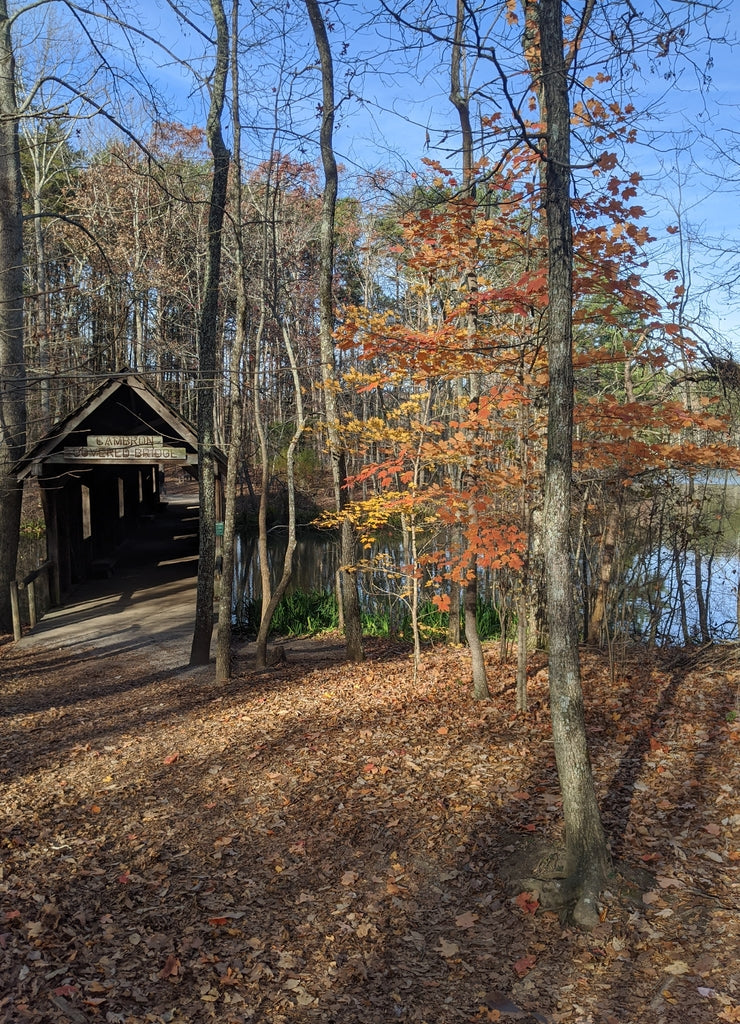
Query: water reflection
[[382, 582], [669, 610], [315, 562], [661, 593], [680, 583]]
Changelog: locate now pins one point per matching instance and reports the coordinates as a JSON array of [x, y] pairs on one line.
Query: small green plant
[[298, 613], [376, 623], [731, 716], [32, 529], [488, 622], [311, 612], [433, 624], [246, 618]]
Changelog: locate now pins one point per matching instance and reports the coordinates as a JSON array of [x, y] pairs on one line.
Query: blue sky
[[688, 149], [688, 152]]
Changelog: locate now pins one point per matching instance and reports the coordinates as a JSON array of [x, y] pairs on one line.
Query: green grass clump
[[311, 612], [298, 613], [376, 623], [434, 624]]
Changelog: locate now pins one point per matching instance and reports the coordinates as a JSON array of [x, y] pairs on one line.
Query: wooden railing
[[29, 584]]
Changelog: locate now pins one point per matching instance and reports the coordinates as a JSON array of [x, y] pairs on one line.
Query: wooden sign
[[121, 453], [124, 440]]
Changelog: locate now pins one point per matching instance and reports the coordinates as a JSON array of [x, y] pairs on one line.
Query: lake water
[[647, 598]]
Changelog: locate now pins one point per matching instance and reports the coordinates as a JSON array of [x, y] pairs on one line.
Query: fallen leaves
[[677, 967], [171, 968], [524, 965], [527, 903], [466, 920], [326, 849], [66, 990]]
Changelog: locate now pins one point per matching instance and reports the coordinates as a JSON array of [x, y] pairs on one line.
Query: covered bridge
[[100, 472]]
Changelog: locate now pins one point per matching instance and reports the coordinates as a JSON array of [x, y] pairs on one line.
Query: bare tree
[[586, 848], [236, 403], [12, 367], [460, 99], [349, 593], [207, 337]]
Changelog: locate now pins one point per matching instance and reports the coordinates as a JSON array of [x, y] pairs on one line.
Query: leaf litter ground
[[334, 842]]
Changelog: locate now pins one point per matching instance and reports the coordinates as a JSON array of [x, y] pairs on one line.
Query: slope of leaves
[[330, 842]]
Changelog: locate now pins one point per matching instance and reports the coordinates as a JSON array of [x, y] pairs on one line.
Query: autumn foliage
[[455, 373]]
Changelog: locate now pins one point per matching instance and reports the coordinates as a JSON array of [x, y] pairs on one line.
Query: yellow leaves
[[486, 1015], [730, 1013], [677, 968]]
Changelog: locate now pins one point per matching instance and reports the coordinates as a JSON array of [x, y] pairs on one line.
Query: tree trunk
[[236, 403], [270, 600], [586, 849], [226, 596], [521, 646], [701, 597], [460, 99], [12, 367], [597, 623], [351, 609], [259, 427], [526, 524], [453, 628], [477, 663], [200, 651], [43, 341], [349, 592]]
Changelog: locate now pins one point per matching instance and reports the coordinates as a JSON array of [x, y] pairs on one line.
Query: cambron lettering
[[124, 440]]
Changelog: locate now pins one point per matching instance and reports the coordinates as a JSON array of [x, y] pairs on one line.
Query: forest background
[[438, 274], [394, 343]]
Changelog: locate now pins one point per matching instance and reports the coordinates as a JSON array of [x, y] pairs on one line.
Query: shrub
[[297, 613]]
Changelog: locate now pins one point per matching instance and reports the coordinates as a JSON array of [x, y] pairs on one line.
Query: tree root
[[557, 885]]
